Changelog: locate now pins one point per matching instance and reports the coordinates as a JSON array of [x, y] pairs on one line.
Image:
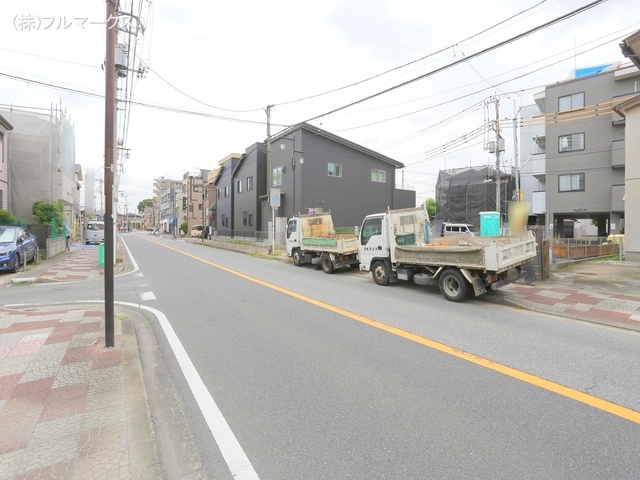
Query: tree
[[44, 212], [148, 202], [430, 205]]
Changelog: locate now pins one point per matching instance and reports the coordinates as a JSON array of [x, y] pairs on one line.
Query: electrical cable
[[452, 64]]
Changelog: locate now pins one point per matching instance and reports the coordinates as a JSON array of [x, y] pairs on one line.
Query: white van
[[458, 229], [94, 232]]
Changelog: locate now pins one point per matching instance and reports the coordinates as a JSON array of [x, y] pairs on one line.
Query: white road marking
[[234, 455], [144, 296]]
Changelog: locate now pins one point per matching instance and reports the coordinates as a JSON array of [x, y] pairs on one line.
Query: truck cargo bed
[[495, 254], [343, 244]]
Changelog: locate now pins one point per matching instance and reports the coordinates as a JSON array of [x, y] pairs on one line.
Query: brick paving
[[62, 395], [79, 264], [589, 304]]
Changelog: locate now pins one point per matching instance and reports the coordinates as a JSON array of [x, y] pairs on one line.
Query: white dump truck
[[398, 245], [313, 239]]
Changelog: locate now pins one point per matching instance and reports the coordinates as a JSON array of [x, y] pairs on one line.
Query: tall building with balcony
[[575, 134]]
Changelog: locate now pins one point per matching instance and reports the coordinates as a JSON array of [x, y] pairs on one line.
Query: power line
[[452, 64], [140, 104], [413, 61]]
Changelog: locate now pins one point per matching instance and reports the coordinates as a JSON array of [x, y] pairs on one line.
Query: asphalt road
[[331, 376]]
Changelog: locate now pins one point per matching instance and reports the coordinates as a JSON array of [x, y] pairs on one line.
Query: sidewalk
[[71, 408], [605, 292]]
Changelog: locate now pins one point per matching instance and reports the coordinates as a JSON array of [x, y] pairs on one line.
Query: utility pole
[[516, 152], [272, 248], [497, 102], [109, 157]]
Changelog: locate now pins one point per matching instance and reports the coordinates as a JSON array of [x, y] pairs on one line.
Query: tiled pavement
[[64, 409], [599, 306], [81, 264]]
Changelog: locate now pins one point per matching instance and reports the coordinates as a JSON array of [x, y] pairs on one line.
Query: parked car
[[449, 229], [196, 231], [17, 246]]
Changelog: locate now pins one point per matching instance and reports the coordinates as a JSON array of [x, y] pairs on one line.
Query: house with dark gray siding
[[313, 170]]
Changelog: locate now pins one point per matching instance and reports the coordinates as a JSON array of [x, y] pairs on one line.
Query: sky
[[414, 80]]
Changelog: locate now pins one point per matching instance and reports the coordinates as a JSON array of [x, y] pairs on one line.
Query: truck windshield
[[291, 227], [371, 227]]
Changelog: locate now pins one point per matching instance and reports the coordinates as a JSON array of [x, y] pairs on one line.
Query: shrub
[[7, 219]]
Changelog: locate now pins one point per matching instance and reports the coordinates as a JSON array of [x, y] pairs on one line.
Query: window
[[571, 143], [239, 186], [198, 188], [276, 181], [378, 175], [226, 191], [335, 170], [200, 206], [371, 227], [571, 102], [292, 227], [251, 219], [249, 184], [571, 183], [244, 218], [540, 145], [219, 190]]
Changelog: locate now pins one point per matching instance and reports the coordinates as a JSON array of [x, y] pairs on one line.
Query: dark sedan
[[17, 246]]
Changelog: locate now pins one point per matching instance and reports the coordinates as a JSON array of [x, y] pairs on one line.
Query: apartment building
[[572, 151]]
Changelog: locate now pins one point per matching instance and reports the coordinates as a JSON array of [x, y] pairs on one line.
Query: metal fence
[[580, 248], [244, 235]]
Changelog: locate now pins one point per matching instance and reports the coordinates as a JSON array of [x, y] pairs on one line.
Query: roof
[[630, 47], [4, 123], [621, 108], [337, 139]]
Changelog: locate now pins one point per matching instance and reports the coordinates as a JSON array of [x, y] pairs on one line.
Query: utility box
[[489, 224], [101, 255]]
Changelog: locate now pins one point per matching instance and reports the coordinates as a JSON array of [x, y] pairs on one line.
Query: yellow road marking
[[600, 404]]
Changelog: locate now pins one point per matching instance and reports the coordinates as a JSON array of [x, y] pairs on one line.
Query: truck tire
[[453, 285], [297, 257], [327, 263], [380, 273]]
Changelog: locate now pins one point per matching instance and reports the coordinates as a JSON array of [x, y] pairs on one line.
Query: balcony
[[617, 154]]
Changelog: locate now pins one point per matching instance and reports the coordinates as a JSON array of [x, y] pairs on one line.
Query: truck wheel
[[327, 263], [453, 285], [297, 257], [380, 273]]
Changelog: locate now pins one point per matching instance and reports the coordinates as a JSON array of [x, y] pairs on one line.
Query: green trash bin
[[101, 255]]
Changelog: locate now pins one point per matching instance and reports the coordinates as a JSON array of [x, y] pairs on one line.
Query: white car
[[196, 231]]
